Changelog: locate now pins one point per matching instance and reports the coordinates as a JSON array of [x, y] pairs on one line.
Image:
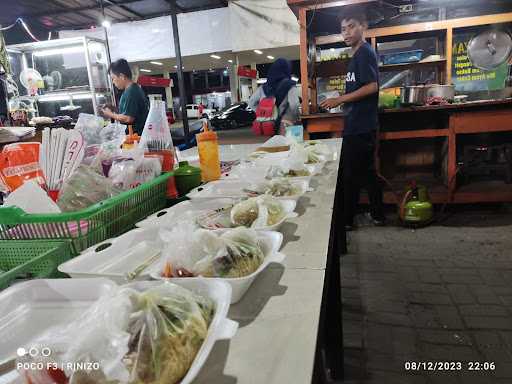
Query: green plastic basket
[[31, 259], [92, 225]]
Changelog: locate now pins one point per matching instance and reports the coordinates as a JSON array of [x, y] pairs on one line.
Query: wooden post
[[304, 60], [449, 54], [452, 159], [374, 43]]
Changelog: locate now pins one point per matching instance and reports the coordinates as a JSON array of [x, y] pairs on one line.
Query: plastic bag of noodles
[[126, 337], [258, 212], [234, 253]]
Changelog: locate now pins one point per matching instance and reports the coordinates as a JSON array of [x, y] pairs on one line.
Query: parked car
[[193, 112], [234, 116]]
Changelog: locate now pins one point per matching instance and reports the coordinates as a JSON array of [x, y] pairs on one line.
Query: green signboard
[[466, 77]]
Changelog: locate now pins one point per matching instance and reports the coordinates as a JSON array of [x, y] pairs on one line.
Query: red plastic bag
[[19, 163]]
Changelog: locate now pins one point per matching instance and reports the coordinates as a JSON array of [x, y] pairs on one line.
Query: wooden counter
[[429, 122]]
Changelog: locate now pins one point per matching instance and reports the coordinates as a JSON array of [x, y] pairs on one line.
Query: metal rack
[[76, 53]]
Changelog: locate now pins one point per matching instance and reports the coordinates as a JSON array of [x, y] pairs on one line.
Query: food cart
[[435, 144]]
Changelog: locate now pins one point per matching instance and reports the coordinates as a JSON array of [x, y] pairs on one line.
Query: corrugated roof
[[60, 14]]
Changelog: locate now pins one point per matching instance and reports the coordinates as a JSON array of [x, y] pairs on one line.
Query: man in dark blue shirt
[[361, 122]]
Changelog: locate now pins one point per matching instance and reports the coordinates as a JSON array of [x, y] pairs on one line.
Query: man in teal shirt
[[133, 105]]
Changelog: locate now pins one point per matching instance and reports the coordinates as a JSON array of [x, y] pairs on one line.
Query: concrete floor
[[438, 294]]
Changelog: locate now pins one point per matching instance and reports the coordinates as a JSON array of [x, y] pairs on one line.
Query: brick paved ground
[[436, 294]]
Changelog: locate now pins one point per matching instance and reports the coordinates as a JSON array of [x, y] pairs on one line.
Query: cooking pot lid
[[488, 50]]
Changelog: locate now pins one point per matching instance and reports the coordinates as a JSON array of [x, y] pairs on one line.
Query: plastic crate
[[31, 259], [92, 225]]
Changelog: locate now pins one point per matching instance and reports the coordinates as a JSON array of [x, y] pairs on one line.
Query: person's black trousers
[[358, 167]]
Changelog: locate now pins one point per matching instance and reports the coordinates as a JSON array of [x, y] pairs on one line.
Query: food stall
[[446, 143], [56, 79], [284, 321]]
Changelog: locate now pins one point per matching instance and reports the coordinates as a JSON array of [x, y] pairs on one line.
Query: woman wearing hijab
[[281, 86]]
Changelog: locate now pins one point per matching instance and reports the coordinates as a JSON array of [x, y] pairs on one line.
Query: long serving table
[[290, 319]]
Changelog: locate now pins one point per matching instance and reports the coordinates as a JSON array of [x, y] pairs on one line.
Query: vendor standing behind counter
[[361, 121], [133, 105]]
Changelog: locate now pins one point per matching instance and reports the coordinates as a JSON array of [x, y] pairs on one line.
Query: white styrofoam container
[[168, 217], [218, 189], [270, 242], [221, 328], [276, 156], [317, 167], [257, 173], [85, 265], [288, 207], [191, 210], [237, 189], [302, 184], [95, 264], [92, 261], [29, 309]]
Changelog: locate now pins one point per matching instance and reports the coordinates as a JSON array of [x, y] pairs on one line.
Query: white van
[[193, 112]]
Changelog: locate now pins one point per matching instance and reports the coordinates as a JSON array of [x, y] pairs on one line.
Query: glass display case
[[60, 77]]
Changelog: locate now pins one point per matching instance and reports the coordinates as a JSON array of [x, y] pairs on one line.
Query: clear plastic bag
[[292, 166], [257, 212], [84, 188], [318, 153], [244, 254], [136, 337], [123, 168], [91, 127], [235, 253], [113, 134], [277, 141], [156, 135], [280, 188], [149, 168]]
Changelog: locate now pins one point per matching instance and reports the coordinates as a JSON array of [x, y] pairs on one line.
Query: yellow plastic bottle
[[208, 148]]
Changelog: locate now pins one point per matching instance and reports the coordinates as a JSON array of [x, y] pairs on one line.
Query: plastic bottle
[[208, 148]]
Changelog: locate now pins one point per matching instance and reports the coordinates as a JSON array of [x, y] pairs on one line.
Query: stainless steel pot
[[413, 95], [447, 92]]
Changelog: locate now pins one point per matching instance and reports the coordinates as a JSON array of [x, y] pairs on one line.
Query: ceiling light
[[145, 70], [215, 57], [106, 23], [59, 51], [258, 52], [156, 63], [294, 78], [176, 66], [270, 57], [332, 49], [230, 61]]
